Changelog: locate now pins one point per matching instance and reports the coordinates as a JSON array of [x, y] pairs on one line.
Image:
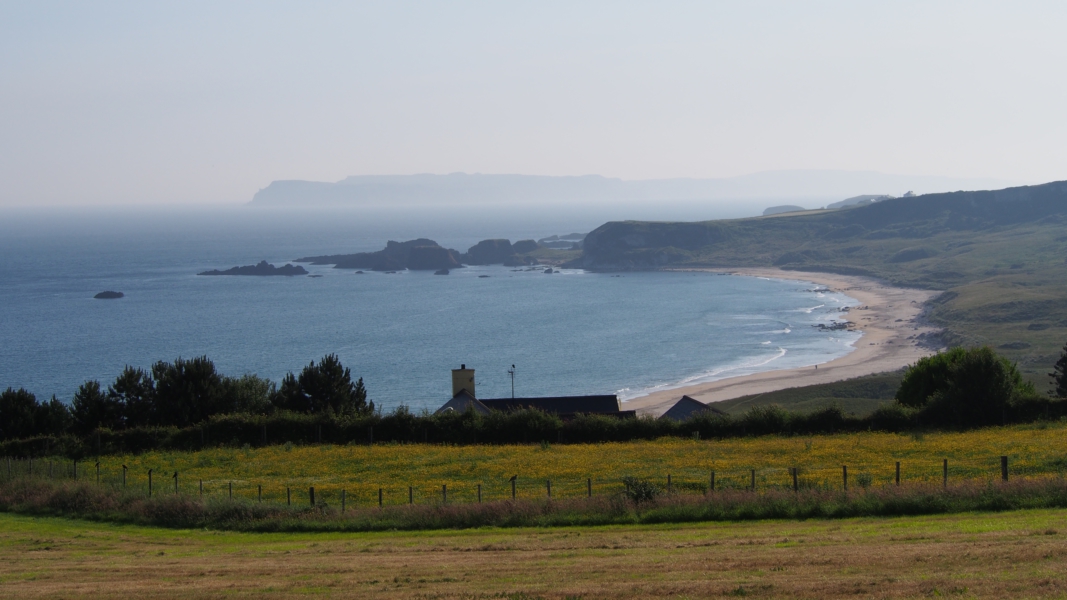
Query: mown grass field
[[1020, 554], [1034, 451]]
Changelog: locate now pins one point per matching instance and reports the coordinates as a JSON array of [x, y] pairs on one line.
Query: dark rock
[[489, 252], [314, 275], [429, 258], [261, 269], [109, 295], [524, 246], [420, 253], [483, 277], [549, 271], [441, 272]]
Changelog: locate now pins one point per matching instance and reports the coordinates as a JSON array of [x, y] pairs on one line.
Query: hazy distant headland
[[816, 188]]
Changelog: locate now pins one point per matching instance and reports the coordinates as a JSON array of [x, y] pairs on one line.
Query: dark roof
[[462, 402], [562, 405], [686, 408]]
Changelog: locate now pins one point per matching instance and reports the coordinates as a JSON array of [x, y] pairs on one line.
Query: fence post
[[793, 472], [944, 473], [259, 493], [513, 489], [1004, 468], [411, 495], [548, 484], [479, 493], [753, 480], [288, 496], [97, 472], [844, 477], [123, 476], [175, 482], [898, 473], [201, 488], [589, 486], [149, 483], [669, 488], [342, 502], [311, 495], [712, 487], [444, 493], [379, 497]]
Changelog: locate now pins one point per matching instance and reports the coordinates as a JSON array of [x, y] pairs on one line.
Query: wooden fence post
[[512, 489], [753, 480], [669, 488], [288, 496], [201, 488], [311, 495], [712, 487], [589, 486], [149, 483], [342, 502], [944, 473], [259, 493], [479, 493], [898, 473], [444, 493], [123, 476], [548, 484], [844, 477], [98, 472], [175, 483], [793, 472], [411, 495], [1004, 468], [379, 497]]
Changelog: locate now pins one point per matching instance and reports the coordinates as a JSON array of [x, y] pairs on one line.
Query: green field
[[1020, 554]]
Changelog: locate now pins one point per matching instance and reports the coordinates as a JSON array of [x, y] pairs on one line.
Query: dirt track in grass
[[1016, 554]]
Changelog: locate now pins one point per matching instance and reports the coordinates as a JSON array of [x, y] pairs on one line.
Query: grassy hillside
[[1001, 256], [860, 396]]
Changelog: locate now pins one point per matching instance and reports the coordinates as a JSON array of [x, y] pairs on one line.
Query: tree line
[[180, 394], [187, 405]]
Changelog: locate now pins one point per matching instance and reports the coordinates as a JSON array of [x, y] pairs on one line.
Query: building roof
[[686, 408], [561, 405], [462, 402]]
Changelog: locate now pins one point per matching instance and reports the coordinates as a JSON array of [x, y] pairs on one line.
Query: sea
[[567, 333]]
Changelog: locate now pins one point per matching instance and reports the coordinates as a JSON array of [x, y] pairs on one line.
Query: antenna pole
[[511, 372]]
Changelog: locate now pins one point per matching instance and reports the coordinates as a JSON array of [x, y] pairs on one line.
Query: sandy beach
[[887, 317]]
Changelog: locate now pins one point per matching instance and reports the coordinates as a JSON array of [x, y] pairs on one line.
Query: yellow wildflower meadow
[[422, 470]]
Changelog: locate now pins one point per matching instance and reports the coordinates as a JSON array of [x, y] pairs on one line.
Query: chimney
[[463, 379]]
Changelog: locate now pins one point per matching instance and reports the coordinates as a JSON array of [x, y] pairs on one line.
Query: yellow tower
[[463, 379]]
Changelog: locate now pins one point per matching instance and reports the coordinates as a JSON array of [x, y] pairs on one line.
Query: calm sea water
[[569, 333]]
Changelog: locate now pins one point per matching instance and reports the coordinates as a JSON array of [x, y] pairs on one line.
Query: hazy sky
[[150, 102]]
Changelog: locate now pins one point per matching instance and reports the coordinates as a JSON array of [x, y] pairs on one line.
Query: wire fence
[[350, 494]]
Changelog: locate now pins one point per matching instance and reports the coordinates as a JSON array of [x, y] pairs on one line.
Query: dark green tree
[[964, 388], [53, 418], [18, 412], [189, 391], [1059, 376], [251, 394], [94, 409], [324, 388], [135, 391]]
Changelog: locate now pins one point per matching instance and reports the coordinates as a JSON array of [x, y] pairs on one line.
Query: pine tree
[[1059, 376]]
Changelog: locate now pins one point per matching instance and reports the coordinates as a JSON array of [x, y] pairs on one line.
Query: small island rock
[[261, 269], [109, 295]]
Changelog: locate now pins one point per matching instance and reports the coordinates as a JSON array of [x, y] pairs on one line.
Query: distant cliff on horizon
[[818, 187]]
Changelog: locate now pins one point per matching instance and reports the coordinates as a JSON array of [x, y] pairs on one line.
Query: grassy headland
[[1000, 256]]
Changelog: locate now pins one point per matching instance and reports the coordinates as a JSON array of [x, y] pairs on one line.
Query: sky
[[202, 103]]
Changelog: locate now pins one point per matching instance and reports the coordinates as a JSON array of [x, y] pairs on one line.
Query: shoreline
[[887, 318]]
